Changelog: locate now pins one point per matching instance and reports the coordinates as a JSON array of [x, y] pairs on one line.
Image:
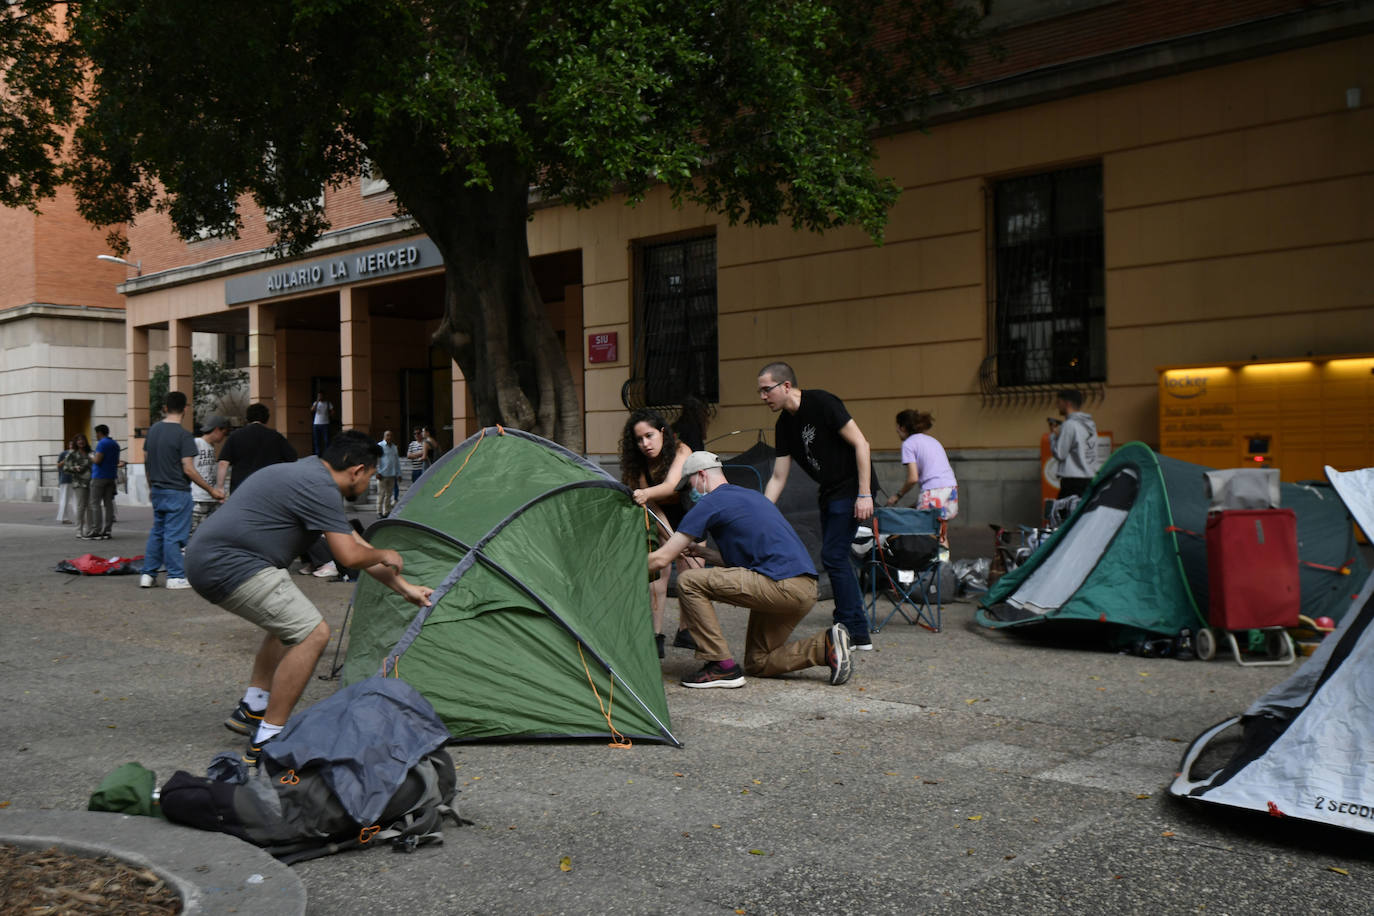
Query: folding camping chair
[[905, 588]]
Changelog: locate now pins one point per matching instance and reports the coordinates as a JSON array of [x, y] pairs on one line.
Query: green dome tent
[[1132, 555], [539, 625]]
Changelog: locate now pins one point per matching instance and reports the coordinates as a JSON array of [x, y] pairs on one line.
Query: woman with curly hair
[[927, 466], [76, 464], [651, 460]]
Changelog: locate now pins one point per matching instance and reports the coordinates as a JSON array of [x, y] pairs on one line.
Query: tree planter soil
[[35, 882]]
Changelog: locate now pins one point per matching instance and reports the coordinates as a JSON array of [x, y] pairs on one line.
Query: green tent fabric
[[1149, 575], [540, 624]]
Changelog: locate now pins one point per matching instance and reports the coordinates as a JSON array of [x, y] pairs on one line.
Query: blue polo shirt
[[108, 468], [750, 532]]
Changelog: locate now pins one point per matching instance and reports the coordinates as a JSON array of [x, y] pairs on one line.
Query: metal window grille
[[676, 352], [1050, 314]]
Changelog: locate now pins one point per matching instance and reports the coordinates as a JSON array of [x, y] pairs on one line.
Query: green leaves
[[759, 109]]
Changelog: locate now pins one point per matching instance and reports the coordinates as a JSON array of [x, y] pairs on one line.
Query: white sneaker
[[327, 571], [146, 581], [178, 583], [862, 647]]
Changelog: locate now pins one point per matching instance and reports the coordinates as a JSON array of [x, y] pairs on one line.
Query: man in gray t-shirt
[[239, 561], [169, 463]]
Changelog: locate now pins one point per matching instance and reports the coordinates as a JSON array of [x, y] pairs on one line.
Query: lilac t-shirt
[[931, 461]]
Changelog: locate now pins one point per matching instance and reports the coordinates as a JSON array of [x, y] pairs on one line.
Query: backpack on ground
[[296, 816], [363, 767]]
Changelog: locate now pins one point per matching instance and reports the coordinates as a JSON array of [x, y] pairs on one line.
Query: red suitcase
[[1252, 569]]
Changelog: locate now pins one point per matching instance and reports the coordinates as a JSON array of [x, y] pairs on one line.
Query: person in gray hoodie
[[1073, 441]]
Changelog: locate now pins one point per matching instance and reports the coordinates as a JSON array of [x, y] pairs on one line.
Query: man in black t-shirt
[[816, 432], [252, 448]]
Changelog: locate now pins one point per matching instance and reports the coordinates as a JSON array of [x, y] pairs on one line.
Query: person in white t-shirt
[[319, 430], [216, 429]]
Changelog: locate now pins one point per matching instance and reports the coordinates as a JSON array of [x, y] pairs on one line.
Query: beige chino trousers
[[775, 609]]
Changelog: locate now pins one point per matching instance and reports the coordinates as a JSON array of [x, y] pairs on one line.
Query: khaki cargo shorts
[[272, 601]]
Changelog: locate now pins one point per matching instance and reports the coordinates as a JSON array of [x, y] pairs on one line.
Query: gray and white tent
[[1306, 748]]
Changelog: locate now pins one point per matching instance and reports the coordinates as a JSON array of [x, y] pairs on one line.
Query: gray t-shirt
[[167, 444], [267, 522]]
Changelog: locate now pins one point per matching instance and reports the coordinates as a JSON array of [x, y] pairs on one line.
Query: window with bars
[[1050, 314], [675, 323]]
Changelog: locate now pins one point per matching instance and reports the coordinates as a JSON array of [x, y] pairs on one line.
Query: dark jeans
[[838, 526], [319, 437]]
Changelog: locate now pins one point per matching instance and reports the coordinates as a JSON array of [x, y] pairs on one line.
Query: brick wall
[[51, 258], [1113, 27], [152, 240]]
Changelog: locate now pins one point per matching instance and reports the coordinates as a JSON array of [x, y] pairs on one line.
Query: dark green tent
[[540, 624], [1133, 555]]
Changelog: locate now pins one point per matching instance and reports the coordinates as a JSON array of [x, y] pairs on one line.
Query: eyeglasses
[[770, 388]]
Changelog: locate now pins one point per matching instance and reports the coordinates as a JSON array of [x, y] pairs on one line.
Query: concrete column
[[136, 363], [262, 357], [286, 408], [355, 359], [179, 366]]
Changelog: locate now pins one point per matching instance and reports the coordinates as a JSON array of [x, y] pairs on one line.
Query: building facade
[[61, 342], [1130, 185]]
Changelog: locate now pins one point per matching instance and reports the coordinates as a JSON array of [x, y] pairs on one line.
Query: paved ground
[[960, 772]]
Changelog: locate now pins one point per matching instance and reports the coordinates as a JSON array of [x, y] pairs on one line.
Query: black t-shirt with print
[[811, 438]]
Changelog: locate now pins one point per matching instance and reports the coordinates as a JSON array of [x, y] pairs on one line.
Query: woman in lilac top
[[927, 466]]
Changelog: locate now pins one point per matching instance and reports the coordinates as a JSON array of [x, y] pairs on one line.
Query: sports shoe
[[837, 646], [147, 581], [684, 640], [862, 646], [243, 720], [327, 571], [254, 751], [178, 583], [713, 675]]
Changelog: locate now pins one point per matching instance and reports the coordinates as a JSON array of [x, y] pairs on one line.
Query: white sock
[[255, 698], [266, 730]]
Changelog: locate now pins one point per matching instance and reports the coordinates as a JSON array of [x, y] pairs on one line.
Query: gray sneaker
[[837, 654]]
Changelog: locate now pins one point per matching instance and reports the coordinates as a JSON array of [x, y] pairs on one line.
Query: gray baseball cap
[[697, 461]]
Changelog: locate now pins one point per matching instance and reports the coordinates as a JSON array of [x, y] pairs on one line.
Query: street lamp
[[109, 257]]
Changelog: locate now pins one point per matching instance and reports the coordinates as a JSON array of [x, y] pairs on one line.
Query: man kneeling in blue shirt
[[761, 565]]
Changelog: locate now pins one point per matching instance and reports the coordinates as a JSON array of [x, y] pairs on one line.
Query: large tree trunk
[[495, 325]]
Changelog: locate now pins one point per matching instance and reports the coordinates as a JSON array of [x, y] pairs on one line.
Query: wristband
[[864, 496]]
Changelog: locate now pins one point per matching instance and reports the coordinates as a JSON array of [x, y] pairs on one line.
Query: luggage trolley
[[1252, 565]]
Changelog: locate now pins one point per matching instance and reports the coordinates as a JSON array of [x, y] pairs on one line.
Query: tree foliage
[[761, 110]]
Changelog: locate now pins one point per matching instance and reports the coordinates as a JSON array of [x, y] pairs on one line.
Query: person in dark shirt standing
[[169, 461], [252, 448], [815, 431]]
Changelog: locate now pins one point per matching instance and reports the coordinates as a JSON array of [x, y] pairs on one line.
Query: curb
[[215, 874]]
